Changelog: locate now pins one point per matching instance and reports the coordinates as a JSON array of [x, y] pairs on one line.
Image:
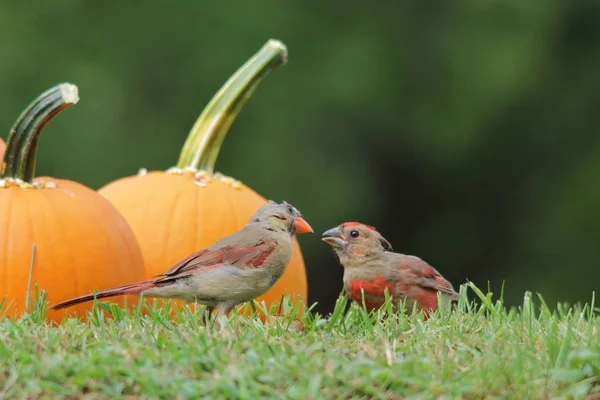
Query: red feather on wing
[[424, 275], [253, 256]]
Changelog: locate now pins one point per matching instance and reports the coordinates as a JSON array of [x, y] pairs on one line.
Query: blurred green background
[[467, 132]]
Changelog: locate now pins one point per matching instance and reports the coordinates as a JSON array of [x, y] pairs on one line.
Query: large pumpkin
[[57, 235], [177, 212]]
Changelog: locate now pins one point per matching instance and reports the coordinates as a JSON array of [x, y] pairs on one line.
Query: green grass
[[477, 350]]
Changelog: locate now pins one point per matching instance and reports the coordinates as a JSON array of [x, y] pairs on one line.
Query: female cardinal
[[235, 269], [370, 266]]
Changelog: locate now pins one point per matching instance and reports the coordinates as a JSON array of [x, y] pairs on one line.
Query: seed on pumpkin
[[142, 171], [174, 171], [200, 182], [202, 174], [227, 180], [23, 185]]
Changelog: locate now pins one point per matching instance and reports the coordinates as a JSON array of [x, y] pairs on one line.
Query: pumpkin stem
[[22, 145], [203, 143]]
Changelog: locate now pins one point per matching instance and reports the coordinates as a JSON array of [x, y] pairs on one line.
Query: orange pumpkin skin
[[58, 236], [81, 243], [175, 215]]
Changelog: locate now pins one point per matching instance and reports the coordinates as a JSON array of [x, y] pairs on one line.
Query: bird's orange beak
[[301, 226]]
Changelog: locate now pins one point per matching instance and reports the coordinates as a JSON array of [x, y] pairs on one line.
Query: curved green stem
[[22, 145], [202, 146]]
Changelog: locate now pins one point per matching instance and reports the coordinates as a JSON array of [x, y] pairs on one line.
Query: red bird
[[371, 266], [238, 268]]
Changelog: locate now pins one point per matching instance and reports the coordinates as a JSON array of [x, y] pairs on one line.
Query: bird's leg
[[206, 315], [222, 311]]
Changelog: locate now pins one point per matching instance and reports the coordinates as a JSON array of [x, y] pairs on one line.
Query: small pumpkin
[[177, 212], [57, 234]]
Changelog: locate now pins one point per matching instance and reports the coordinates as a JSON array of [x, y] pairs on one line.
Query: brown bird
[[371, 266], [237, 268]]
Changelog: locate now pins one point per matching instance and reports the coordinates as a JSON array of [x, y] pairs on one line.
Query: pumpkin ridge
[[52, 257], [198, 215], [109, 207], [98, 226], [74, 269], [233, 210], [167, 236], [112, 238], [30, 269], [149, 198], [6, 255]]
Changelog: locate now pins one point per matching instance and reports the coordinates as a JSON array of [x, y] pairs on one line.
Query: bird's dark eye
[[279, 216], [354, 234]]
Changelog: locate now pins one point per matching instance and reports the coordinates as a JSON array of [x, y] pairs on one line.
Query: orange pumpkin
[[58, 235], [177, 212]]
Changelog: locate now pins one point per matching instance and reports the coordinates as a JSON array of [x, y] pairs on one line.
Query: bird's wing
[[204, 258], [252, 256], [420, 273]]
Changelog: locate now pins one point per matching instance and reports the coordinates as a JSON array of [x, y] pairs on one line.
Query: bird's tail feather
[[135, 288]]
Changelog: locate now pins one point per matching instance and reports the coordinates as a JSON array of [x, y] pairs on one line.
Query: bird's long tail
[[135, 288]]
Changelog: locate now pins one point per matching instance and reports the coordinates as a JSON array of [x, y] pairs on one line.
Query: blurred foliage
[[467, 132]]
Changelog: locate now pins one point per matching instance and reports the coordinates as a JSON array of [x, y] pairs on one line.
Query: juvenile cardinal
[[237, 268], [370, 265]]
